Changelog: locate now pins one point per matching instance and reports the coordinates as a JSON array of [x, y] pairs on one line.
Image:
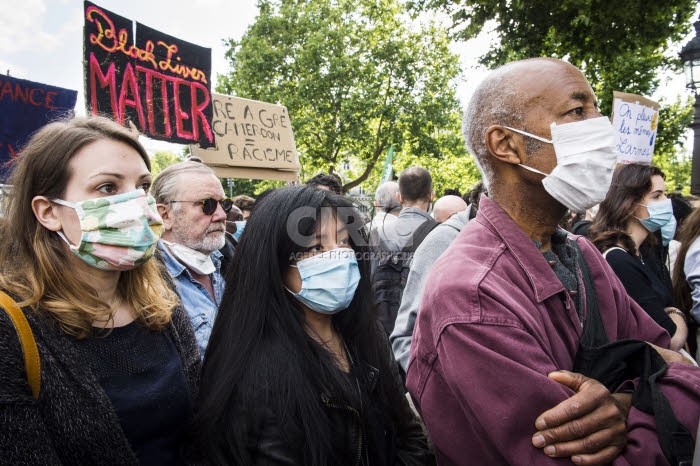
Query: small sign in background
[[636, 120]]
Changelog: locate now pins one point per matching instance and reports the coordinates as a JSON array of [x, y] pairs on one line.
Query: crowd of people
[[157, 321]]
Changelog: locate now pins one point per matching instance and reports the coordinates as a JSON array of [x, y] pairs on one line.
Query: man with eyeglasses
[[193, 206]]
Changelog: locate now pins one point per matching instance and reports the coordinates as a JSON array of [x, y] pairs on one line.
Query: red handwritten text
[[127, 94], [29, 95], [111, 41], [13, 154]]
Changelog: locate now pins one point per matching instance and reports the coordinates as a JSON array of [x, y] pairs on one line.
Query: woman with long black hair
[[298, 370]]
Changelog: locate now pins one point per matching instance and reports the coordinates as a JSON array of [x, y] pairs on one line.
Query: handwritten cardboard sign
[[252, 135], [26, 106], [161, 84], [636, 120]]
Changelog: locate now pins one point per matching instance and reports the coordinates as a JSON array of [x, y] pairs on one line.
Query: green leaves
[[162, 159], [673, 121], [620, 45], [355, 77]]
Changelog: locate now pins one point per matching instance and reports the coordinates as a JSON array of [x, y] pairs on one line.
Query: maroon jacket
[[495, 320]]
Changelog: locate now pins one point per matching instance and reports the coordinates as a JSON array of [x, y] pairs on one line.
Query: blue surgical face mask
[[328, 280], [660, 216], [240, 226]]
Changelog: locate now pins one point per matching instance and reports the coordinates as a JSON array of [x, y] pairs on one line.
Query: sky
[[41, 40]]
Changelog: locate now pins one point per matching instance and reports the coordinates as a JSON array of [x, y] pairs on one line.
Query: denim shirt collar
[[175, 268]]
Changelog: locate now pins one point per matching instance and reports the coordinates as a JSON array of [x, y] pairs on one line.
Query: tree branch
[[368, 169]]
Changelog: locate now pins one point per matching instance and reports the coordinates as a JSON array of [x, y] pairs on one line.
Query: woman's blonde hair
[[34, 260]]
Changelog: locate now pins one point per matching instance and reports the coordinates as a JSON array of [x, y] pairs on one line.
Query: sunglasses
[[209, 205]]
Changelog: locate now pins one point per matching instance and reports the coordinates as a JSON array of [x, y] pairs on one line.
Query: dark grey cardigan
[[73, 421]]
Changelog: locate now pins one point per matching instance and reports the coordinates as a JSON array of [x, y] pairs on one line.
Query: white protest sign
[[635, 119]]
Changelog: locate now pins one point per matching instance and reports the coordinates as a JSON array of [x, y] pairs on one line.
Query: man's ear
[[399, 198], [166, 213], [503, 145], [432, 196], [46, 213]]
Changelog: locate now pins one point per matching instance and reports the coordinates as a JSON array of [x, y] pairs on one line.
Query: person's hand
[[670, 355], [590, 427]]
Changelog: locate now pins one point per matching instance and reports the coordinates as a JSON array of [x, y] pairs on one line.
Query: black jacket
[[644, 285], [73, 421], [405, 444]]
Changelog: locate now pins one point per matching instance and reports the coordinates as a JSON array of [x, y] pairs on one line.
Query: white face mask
[[586, 160], [200, 263]]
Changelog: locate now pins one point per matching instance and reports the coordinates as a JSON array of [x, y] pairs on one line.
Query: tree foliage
[[620, 45], [355, 79], [455, 168], [677, 165], [452, 171], [162, 159], [239, 186]]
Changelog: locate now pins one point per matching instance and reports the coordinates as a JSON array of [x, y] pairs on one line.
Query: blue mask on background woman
[[240, 225], [328, 280], [660, 216]]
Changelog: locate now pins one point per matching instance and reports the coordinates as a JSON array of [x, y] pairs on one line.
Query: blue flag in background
[[26, 106]]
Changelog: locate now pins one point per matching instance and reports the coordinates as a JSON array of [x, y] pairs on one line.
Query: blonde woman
[[119, 362]]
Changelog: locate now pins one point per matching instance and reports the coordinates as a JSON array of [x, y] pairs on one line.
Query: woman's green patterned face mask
[[120, 232]]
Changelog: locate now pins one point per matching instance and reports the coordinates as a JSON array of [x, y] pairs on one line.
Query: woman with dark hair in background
[[686, 277], [298, 371], [623, 230], [681, 211], [117, 358], [331, 182]]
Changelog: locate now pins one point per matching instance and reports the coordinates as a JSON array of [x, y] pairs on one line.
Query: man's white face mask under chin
[[586, 160]]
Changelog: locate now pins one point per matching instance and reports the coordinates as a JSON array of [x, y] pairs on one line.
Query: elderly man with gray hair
[[387, 206], [191, 202]]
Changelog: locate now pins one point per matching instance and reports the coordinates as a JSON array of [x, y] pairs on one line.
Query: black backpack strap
[[613, 363], [594, 334], [419, 235], [227, 253], [622, 360], [676, 441], [390, 277]]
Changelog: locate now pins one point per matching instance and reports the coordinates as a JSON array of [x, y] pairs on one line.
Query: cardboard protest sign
[[253, 140], [635, 119], [160, 83], [26, 106]]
